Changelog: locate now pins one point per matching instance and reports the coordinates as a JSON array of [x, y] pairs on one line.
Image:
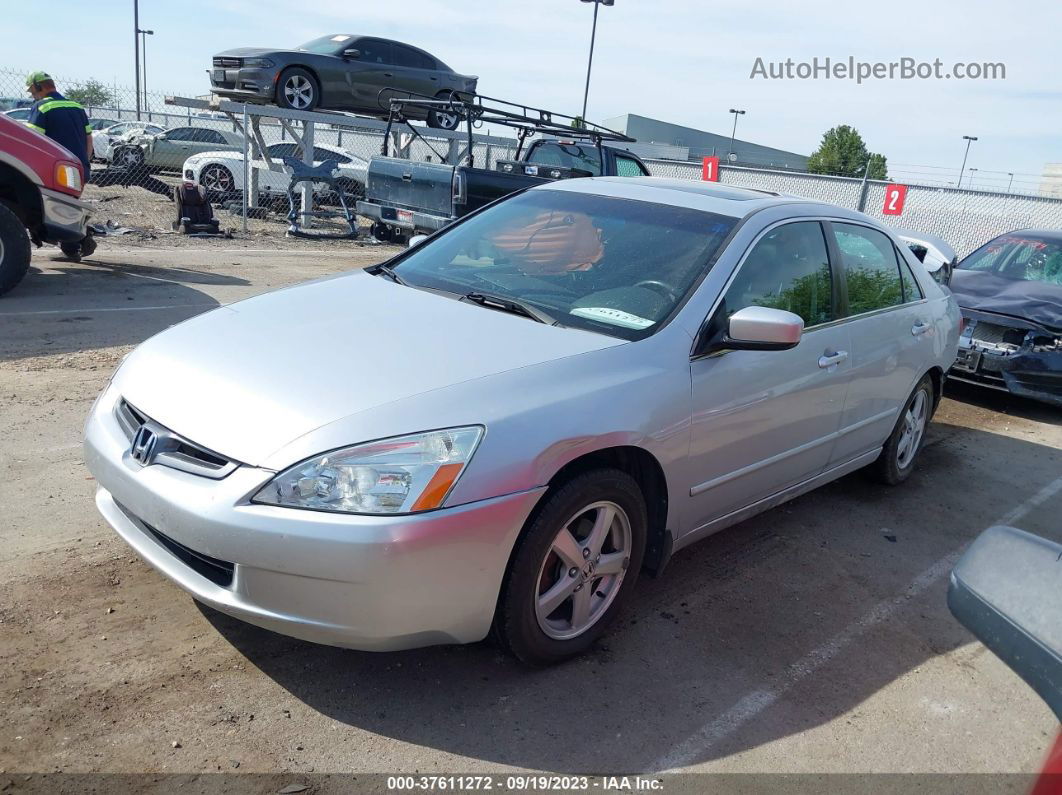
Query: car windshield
[[326, 45], [1019, 257], [604, 264]]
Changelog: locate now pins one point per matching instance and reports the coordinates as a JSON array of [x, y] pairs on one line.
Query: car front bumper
[[65, 218], [377, 583], [1027, 373]]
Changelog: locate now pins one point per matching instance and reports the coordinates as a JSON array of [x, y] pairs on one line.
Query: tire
[[217, 180], [14, 249], [298, 89], [382, 232], [559, 540], [128, 157], [444, 121], [896, 462]]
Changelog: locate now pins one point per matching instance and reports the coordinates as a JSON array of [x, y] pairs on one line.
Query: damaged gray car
[[1010, 293]]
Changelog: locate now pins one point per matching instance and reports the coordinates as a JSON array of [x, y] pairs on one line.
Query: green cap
[[37, 77]]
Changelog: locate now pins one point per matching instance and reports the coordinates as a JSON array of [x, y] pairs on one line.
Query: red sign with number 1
[[710, 171], [895, 195]]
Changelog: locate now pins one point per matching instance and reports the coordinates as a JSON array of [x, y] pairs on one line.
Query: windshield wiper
[[510, 305], [389, 272]]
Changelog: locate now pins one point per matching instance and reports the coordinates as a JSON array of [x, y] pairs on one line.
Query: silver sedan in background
[[504, 425]]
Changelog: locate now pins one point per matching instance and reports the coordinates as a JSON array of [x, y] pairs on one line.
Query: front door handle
[[388, 74], [828, 360], [919, 328]]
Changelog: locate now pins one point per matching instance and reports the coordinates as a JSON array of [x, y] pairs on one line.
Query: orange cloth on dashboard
[[552, 242]]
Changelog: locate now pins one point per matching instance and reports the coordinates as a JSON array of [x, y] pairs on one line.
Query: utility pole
[[969, 140], [144, 34], [590, 62], [136, 52]]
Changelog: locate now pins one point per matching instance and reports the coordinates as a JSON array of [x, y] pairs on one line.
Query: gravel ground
[[814, 638]]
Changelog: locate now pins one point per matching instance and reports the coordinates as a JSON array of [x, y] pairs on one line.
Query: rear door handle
[[919, 328], [828, 360]]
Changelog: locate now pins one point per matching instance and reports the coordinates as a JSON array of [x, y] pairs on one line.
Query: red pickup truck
[[40, 189]]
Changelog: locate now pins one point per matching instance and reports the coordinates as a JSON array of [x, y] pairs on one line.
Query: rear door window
[[871, 271], [413, 59]]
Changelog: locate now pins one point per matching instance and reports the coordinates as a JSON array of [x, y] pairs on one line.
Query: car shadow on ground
[[1003, 402], [75, 308], [750, 636]]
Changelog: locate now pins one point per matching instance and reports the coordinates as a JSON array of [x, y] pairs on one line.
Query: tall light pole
[[1011, 182], [969, 140], [733, 134], [972, 170], [143, 48], [593, 35], [136, 52]]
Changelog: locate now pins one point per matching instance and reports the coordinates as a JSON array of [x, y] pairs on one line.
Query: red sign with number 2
[[895, 195], [710, 170]]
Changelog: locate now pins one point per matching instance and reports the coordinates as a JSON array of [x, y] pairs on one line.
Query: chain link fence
[[135, 170]]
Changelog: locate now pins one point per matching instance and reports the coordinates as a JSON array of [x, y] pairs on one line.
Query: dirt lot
[[814, 638]]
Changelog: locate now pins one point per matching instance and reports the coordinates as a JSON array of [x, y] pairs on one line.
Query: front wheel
[[573, 568], [217, 179], [297, 89], [897, 458], [14, 249]]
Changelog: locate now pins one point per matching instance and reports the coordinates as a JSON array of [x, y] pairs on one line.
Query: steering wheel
[[659, 287]]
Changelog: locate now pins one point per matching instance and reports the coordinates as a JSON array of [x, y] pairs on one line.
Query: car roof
[[709, 196]]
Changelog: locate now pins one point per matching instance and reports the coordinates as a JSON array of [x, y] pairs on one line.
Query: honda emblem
[[143, 449]]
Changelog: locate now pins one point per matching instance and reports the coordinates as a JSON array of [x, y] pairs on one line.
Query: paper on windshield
[[617, 317]]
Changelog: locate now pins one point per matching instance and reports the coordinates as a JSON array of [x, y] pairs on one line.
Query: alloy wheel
[[583, 570], [914, 427], [298, 91], [216, 178]]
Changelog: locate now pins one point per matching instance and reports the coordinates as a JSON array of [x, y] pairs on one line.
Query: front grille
[[219, 572], [174, 451], [228, 63]]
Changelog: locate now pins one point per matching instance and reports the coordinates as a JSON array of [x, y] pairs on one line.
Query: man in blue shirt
[[66, 123]]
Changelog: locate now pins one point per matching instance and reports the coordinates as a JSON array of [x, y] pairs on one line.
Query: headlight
[[263, 63], [404, 474]]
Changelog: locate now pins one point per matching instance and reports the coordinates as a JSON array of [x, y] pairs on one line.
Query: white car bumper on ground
[[376, 583]]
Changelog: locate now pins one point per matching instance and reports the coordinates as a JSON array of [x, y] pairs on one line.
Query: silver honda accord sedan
[[501, 427]]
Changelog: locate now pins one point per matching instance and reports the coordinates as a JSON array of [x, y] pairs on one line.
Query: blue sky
[[686, 61]]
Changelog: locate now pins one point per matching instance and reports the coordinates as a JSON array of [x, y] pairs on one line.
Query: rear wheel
[[298, 89], [442, 119], [573, 568], [14, 249], [71, 250], [897, 458], [129, 157]]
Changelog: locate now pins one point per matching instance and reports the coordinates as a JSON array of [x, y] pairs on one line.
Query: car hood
[[221, 154], [1037, 302], [248, 52], [247, 379]]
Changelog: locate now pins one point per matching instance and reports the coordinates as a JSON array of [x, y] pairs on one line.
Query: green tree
[[577, 123], [844, 154], [91, 93]]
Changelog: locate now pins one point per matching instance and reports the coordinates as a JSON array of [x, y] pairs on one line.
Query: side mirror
[[416, 240], [1004, 590], [353, 52], [760, 328]]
